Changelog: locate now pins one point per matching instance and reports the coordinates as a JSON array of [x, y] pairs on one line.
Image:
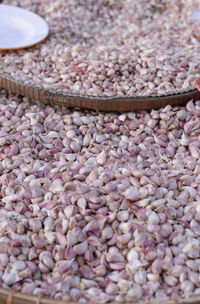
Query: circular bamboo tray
[[106, 104], [9, 297]]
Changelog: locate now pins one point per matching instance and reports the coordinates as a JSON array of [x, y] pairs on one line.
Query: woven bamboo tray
[[8, 297], [106, 104], [119, 104]]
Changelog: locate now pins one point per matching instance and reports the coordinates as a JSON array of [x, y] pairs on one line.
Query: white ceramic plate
[[20, 28]]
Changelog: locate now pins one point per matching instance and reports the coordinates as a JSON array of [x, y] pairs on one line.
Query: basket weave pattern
[[106, 104], [10, 297]]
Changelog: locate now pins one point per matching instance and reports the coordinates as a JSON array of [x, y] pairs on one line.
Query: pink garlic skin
[[67, 232], [123, 67]]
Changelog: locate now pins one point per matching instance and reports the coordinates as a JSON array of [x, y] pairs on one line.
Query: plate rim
[[31, 44]]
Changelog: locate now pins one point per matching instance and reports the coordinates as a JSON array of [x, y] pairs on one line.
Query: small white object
[[20, 28], [196, 14]]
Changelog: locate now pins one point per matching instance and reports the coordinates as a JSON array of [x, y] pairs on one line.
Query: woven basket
[[118, 104], [9, 297]]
